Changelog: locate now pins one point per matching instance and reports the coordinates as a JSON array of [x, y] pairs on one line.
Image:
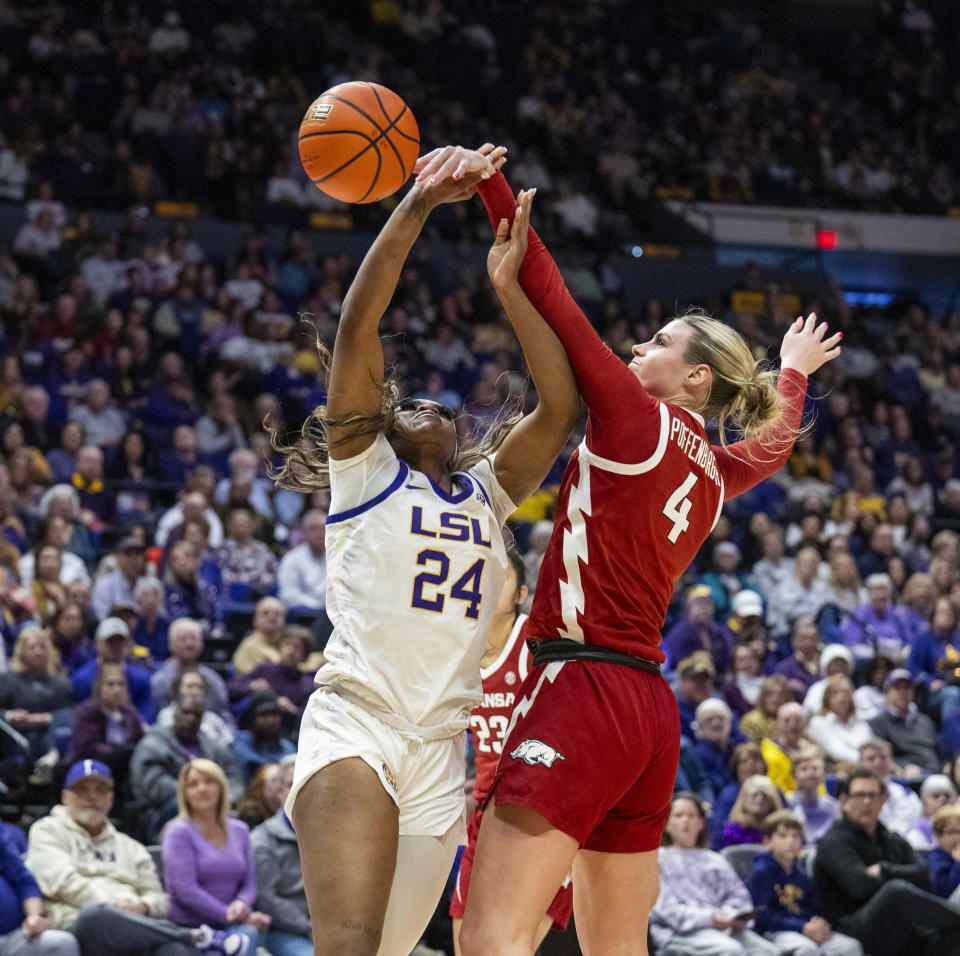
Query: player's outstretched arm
[[530, 449], [356, 372], [805, 348]]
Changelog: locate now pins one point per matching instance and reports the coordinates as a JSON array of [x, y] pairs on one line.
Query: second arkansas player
[[506, 662]]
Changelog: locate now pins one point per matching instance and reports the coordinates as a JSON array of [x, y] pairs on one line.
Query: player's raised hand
[[806, 347], [510, 246], [455, 162]]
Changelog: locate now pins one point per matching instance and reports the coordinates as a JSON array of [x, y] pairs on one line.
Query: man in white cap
[[112, 643], [102, 884]]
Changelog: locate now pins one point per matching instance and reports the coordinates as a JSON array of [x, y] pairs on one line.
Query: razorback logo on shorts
[[532, 751]]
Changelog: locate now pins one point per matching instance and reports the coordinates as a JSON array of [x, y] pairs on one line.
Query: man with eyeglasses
[[871, 885]]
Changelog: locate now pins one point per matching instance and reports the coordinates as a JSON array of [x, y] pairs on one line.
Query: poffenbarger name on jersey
[[695, 447]]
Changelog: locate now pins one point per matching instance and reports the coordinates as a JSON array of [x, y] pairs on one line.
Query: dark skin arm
[[356, 374]]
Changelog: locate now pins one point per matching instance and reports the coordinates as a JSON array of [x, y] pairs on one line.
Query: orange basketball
[[358, 142]]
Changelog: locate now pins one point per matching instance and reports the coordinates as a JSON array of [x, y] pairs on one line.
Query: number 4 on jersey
[[678, 507]]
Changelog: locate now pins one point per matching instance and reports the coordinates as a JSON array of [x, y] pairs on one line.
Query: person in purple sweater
[[284, 678], [207, 859]]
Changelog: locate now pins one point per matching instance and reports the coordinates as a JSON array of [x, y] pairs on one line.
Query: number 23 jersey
[[491, 717], [413, 577]]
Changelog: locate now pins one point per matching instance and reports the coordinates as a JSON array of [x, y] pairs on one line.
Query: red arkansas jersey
[[489, 720], [644, 489]]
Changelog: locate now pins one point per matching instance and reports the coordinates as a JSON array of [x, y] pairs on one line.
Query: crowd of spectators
[[170, 100]]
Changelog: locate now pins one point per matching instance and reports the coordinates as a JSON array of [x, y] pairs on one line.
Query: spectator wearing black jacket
[[871, 885]]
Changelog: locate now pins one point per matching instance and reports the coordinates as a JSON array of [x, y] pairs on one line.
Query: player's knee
[[479, 940]]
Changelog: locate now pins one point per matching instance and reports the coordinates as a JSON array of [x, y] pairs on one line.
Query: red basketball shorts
[[559, 909], [593, 747]]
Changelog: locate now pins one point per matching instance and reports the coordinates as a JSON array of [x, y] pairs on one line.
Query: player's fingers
[[448, 167], [427, 158], [810, 322], [486, 149], [503, 230]]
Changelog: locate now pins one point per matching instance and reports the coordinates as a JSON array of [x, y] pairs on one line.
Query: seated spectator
[[113, 647], [185, 640], [132, 472], [802, 667], [811, 803], [944, 859], [788, 740], [247, 472], [834, 659], [935, 658], [108, 726], [874, 628], [117, 587], [34, 698], [747, 761], [280, 892], [193, 504], [302, 572], [47, 590], [742, 691], [872, 887], [703, 906], [745, 624], [208, 864], [286, 678], [804, 592], [785, 898], [63, 458], [869, 697], [102, 424], [770, 574], [911, 734], [67, 631], [837, 729], [846, 591], [152, 624], [245, 563], [190, 682], [758, 798], [715, 741], [262, 797], [726, 579], [24, 929], [761, 722], [53, 534], [187, 594], [160, 755], [902, 807], [101, 883], [96, 502], [262, 740], [936, 792], [63, 502], [181, 459], [263, 643], [218, 431], [698, 631], [917, 605]]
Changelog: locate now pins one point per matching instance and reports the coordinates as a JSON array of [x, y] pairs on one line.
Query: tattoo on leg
[[373, 932]]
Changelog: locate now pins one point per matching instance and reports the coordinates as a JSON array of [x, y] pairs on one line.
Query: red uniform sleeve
[[624, 419], [746, 463]]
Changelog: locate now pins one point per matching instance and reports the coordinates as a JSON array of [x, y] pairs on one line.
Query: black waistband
[[563, 649]]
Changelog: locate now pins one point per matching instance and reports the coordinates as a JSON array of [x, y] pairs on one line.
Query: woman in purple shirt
[[207, 860]]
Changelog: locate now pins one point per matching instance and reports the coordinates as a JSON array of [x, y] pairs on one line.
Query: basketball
[[358, 142]]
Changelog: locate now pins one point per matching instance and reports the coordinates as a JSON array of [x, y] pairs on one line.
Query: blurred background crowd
[[161, 600]]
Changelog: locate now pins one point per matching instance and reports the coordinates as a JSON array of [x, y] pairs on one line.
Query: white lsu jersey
[[413, 578]]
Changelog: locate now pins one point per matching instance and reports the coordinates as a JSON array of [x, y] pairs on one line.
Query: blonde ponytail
[[743, 393]]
